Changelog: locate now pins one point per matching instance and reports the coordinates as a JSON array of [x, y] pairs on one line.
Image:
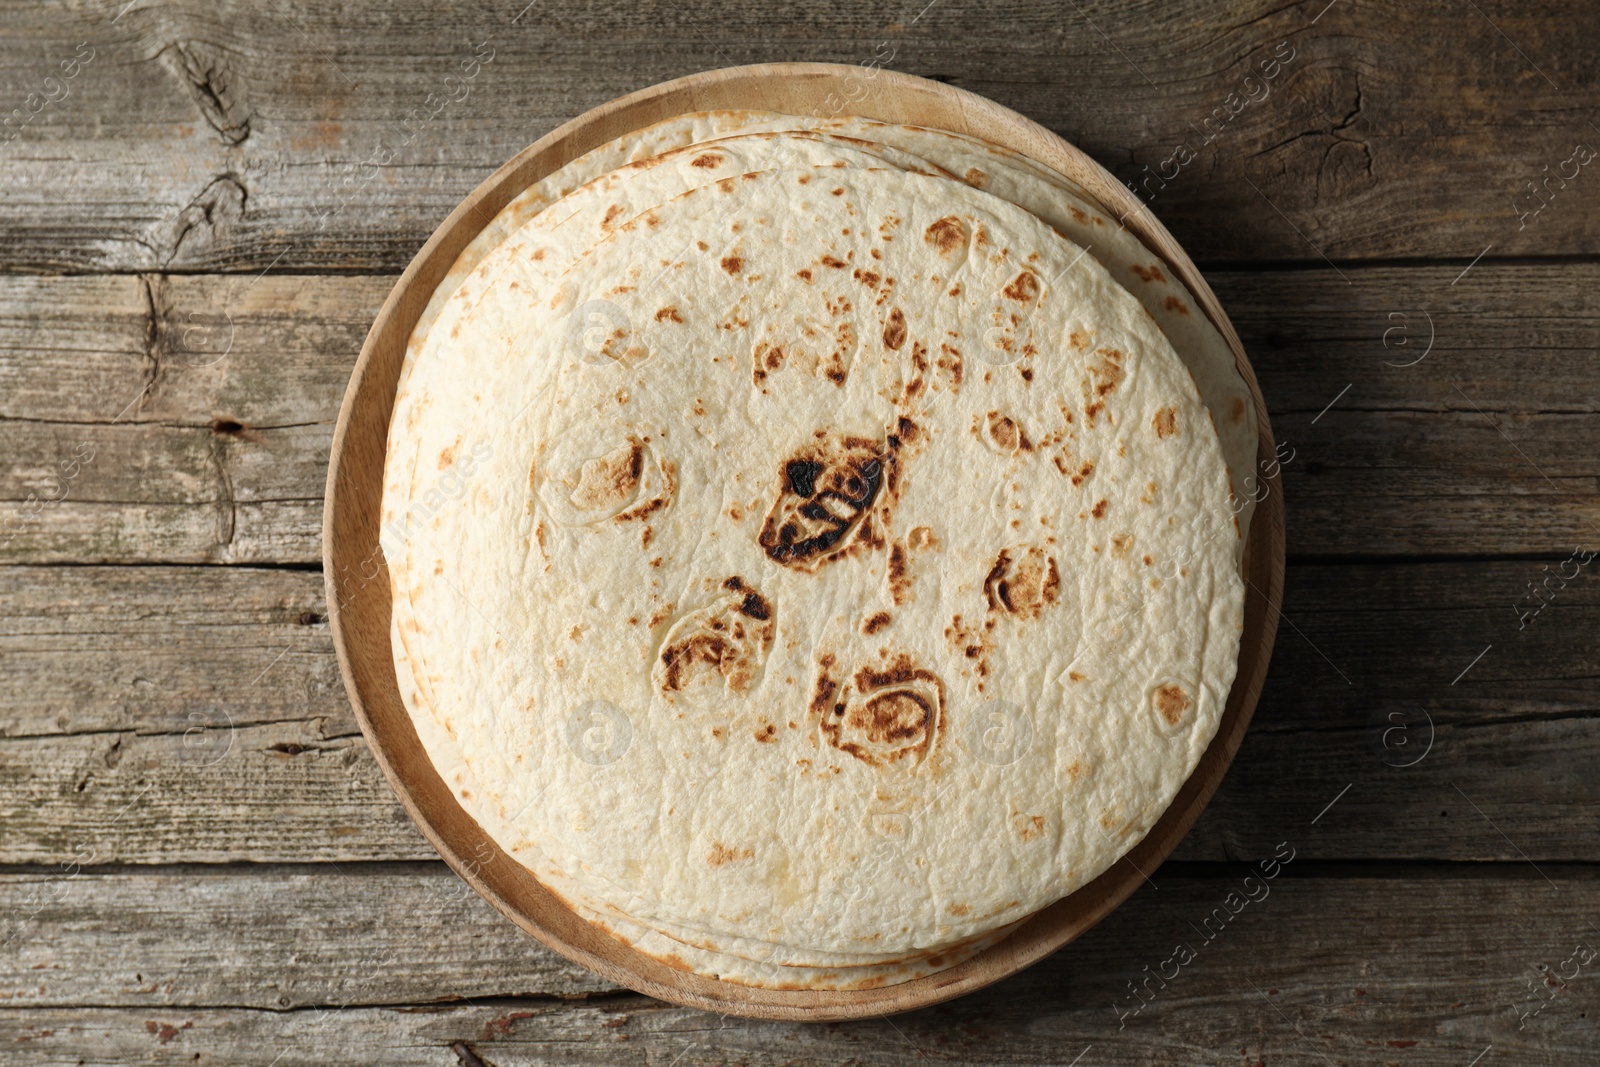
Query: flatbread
[[1128, 764]]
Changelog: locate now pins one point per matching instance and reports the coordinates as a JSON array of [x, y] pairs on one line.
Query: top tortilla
[[1120, 674]]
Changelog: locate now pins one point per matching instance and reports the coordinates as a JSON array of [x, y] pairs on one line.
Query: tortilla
[[1114, 669], [596, 206]]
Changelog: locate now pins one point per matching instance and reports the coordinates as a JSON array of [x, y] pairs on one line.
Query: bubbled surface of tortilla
[[994, 640]]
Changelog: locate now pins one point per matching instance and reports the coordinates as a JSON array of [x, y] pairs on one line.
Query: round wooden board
[[358, 584]]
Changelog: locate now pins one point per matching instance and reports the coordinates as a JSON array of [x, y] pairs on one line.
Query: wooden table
[[202, 206]]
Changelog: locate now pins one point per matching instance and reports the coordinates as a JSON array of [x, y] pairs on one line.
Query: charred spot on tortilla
[[1023, 581], [727, 639], [669, 475], [826, 489], [754, 605], [882, 717]]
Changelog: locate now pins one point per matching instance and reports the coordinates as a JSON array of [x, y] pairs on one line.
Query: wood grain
[[1404, 463], [1338, 967], [253, 136]]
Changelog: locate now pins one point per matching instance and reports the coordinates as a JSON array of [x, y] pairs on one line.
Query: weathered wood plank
[[219, 792], [273, 937], [165, 650], [187, 419], [208, 698], [1335, 970], [332, 136], [182, 349], [1516, 338]]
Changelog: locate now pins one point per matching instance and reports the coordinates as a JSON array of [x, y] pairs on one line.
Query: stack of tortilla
[[814, 544]]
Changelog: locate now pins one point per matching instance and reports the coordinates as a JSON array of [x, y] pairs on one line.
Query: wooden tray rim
[[350, 548]]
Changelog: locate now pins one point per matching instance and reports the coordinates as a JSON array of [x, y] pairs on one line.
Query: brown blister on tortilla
[[1151, 273], [669, 473], [1174, 304], [668, 314], [1005, 435], [1236, 410], [1023, 582], [764, 359], [727, 639], [868, 536], [706, 159], [898, 575], [661, 615], [607, 482], [1166, 422], [876, 622], [721, 854], [732, 264], [882, 716], [1028, 826], [950, 364], [919, 357], [946, 234], [1105, 375], [1171, 702], [1024, 288], [972, 642], [894, 331]]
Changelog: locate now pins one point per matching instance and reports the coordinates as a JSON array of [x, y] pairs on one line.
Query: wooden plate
[[358, 585]]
